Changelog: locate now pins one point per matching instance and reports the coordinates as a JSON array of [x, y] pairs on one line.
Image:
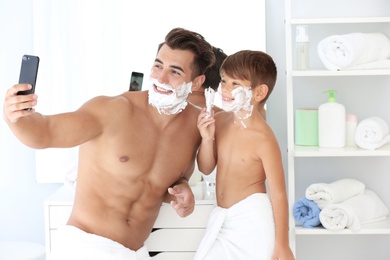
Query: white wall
[[21, 198], [90, 47]]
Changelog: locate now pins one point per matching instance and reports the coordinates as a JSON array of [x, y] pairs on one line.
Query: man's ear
[[197, 82], [260, 92]]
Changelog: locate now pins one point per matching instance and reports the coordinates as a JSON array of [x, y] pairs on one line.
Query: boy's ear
[[197, 82], [260, 92]]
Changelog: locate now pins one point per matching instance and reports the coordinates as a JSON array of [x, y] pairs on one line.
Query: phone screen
[[136, 81], [28, 73]]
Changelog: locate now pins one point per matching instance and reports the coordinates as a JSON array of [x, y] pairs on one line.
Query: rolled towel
[[354, 212], [307, 213], [346, 51], [372, 133], [330, 193], [374, 65]]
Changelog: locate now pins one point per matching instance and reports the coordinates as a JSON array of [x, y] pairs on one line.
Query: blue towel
[[307, 213]]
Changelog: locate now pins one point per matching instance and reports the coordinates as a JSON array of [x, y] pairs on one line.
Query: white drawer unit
[[172, 237]]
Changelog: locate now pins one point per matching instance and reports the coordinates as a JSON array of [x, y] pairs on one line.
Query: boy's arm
[[273, 167], [206, 157]]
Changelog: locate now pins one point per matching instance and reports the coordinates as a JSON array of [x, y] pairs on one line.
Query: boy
[[247, 222]]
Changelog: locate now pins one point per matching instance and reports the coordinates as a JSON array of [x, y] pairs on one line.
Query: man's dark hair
[[213, 77], [182, 39]]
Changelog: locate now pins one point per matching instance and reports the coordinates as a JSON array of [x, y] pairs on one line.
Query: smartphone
[[136, 81], [28, 73]]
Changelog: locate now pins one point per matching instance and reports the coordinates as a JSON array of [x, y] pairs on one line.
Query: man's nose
[[163, 77]]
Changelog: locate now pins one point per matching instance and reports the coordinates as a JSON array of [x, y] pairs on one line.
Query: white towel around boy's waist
[[244, 231]]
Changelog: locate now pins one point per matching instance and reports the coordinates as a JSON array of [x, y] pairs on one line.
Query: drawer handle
[[154, 253]]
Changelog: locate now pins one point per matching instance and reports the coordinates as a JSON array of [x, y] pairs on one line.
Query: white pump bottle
[[331, 123], [302, 47]]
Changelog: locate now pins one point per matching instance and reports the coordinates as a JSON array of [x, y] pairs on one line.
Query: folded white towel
[[346, 51], [374, 65], [372, 133], [329, 193], [360, 209]]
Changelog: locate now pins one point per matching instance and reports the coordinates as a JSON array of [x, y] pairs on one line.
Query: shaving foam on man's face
[[171, 100]]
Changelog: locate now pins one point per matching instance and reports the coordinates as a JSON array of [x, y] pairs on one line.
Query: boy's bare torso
[[240, 167], [125, 173]]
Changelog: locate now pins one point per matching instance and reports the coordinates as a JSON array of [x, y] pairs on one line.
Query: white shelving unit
[[363, 92]]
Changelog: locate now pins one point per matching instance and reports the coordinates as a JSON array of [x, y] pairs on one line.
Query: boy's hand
[[206, 125]]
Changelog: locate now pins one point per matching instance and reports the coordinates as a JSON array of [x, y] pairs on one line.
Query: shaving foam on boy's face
[[171, 100], [239, 104], [241, 99]]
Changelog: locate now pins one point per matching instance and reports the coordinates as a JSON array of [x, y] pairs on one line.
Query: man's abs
[[128, 224]]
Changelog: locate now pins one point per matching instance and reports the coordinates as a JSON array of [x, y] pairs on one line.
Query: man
[[136, 150]]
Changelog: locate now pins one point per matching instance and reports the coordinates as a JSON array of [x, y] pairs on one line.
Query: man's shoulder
[[133, 98], [114, 104]]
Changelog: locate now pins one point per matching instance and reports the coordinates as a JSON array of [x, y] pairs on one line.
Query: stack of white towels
[[345, 203], [355, 51]]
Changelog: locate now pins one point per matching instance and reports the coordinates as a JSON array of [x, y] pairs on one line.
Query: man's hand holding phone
[[20, 99]]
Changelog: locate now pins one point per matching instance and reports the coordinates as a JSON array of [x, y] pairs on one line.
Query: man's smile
[[162, 90]]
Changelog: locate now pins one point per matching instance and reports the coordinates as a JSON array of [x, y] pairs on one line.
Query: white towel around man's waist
[[76, 244], [363, 50], [372, 133], [244, 231], [329, 193], [360, 209]]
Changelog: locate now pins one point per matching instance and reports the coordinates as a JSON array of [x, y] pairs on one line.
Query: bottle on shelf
[[331, 123], [302, 47], [350, 128]]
